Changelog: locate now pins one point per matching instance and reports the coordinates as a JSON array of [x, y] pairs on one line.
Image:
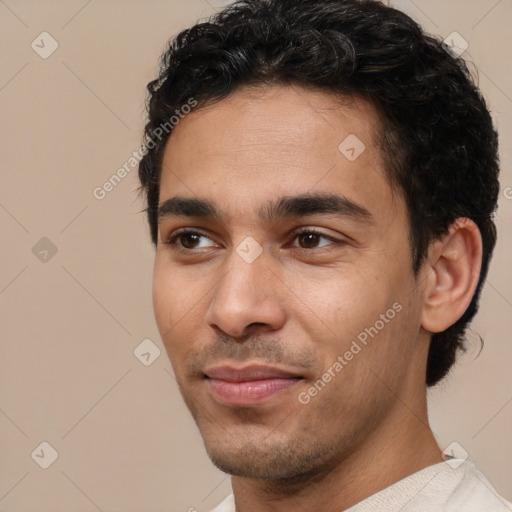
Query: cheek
[[169, 301], [162, 299], [342, 304], [166, 306], [178, 309]]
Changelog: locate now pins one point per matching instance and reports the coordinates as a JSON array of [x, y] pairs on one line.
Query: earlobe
[[454, 264]]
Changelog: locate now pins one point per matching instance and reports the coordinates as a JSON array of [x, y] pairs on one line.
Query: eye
[[309, 238], [189, 240]]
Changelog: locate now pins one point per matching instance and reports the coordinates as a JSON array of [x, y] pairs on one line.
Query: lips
[[250, 385]]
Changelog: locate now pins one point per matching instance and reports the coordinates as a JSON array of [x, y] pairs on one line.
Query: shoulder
[[450, 486], [474, 492]]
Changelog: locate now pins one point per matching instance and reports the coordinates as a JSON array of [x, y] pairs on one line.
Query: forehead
[[268, 142]]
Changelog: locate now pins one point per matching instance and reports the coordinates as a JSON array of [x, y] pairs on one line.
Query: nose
[[247, 297]]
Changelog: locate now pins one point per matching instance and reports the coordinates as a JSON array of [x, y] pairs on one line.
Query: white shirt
[[452, 486]]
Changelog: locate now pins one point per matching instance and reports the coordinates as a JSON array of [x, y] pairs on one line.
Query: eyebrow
[[285, 207]]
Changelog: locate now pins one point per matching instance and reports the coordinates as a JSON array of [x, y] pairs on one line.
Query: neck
[[402, 445]]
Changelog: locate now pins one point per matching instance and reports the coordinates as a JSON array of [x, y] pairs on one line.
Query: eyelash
[[301, 231]]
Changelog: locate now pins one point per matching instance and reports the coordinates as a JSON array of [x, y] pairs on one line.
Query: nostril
[[255, 324]]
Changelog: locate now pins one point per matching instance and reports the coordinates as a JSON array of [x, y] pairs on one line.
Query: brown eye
[[308, 240], [189, 240], [311, 239]]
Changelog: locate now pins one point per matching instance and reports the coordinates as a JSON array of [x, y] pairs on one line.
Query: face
[[283, 286]]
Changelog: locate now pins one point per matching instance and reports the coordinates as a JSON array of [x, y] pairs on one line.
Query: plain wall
[[72, 320]]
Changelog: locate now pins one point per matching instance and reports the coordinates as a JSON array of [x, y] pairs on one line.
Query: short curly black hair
[[437, 137]]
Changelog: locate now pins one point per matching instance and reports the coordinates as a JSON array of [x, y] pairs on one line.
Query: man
[[321, 178]]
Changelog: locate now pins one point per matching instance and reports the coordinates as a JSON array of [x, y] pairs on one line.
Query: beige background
[[70, 323]]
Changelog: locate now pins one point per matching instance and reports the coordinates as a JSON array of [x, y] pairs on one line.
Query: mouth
[[249, 385]]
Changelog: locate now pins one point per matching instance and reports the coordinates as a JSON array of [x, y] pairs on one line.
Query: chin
[[286, 461]]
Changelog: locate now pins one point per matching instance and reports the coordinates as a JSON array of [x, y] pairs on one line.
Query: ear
[[453, 267]]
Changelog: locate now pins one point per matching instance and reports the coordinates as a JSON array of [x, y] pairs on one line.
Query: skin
[[304, 300]]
